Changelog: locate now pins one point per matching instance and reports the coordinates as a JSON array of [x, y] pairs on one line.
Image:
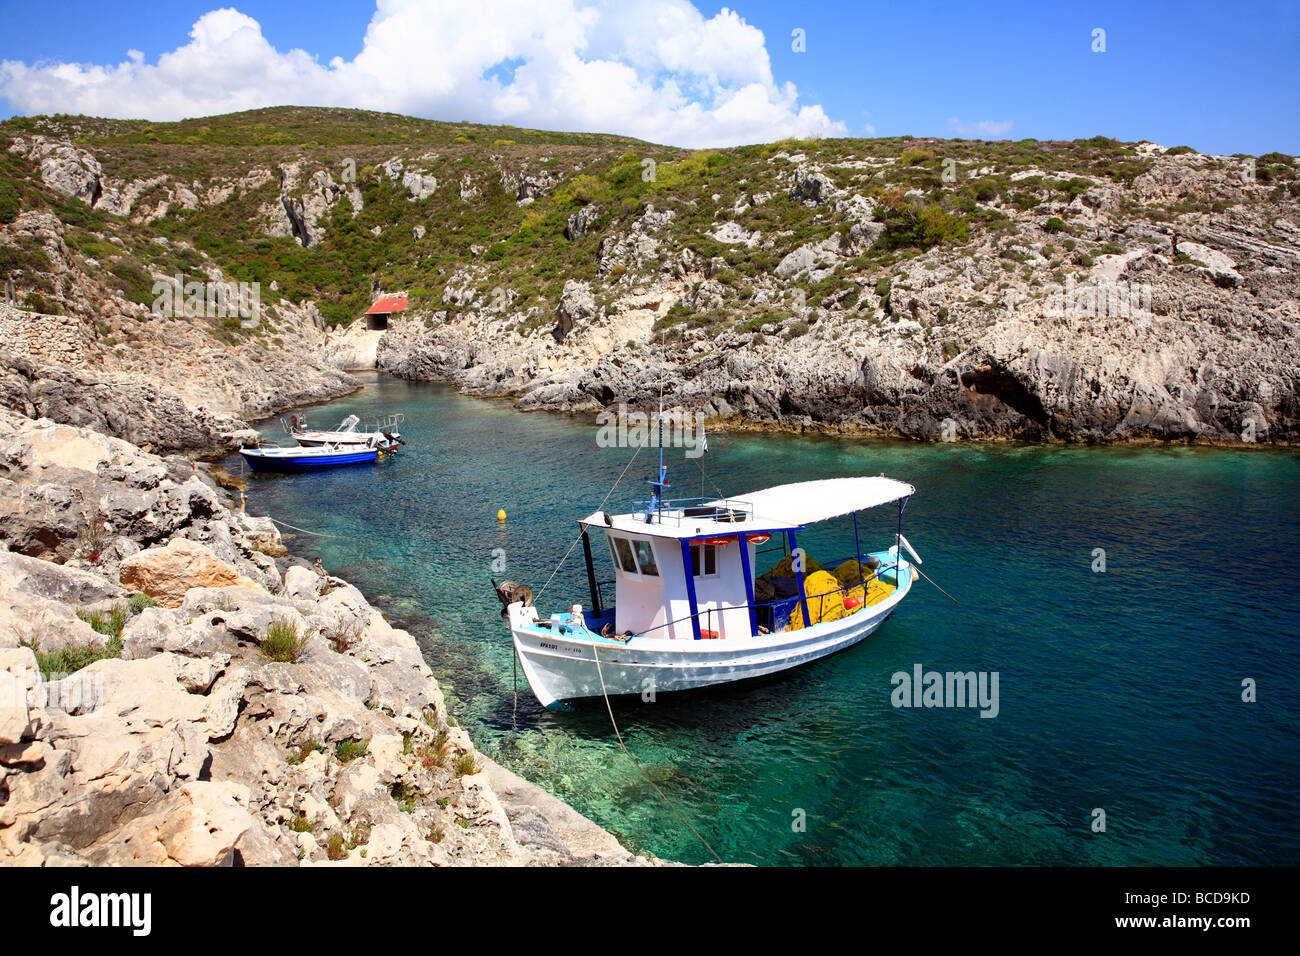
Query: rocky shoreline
[[1089, 292], [175, 688]]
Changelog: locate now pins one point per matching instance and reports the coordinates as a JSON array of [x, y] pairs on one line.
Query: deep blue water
[[1118, 690]]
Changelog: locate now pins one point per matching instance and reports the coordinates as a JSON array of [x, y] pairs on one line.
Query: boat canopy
[[807, 502], [772, 509]]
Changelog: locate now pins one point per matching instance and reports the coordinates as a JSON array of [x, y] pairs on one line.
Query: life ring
[[708, 635], [718, 542], [761, 538]]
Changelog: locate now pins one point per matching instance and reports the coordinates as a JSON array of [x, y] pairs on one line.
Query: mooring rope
[[318, 534], [595, 650], [608, 495]]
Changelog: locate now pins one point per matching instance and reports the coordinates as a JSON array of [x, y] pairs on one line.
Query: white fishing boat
[[691, 609], [381, 433]]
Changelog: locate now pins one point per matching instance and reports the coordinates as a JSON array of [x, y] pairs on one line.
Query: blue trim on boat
[[262, 460]]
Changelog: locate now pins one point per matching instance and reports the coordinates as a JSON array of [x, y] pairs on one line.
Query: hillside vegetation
[[553, 251]]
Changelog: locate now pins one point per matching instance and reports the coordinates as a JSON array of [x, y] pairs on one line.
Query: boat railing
[[677, 510], [705, 615], [379, 423]]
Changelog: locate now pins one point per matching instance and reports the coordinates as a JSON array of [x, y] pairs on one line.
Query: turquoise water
[[1118, 690]]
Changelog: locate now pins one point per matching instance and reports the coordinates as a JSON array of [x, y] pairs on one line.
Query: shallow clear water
[[1118, 690]]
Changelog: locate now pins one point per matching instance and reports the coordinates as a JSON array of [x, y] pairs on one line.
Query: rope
[[927, 577], [579, 537], [595, 650], [600, 671], [318, 534]]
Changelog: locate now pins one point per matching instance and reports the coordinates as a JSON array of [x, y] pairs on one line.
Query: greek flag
[[704, 441]]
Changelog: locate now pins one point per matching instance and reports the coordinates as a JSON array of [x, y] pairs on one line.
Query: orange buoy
[[852, 602], [718, 542], [761, 538]]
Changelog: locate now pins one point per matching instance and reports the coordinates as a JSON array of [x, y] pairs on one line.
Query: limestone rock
[[166, 573]]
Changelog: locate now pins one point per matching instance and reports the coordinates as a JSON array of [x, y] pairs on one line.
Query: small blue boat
[[302, 458]]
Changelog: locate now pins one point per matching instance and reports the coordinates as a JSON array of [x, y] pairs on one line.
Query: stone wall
[[59, 338]]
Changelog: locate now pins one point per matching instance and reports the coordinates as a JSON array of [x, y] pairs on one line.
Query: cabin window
[[704, 560], [624, 552], [645, 556]]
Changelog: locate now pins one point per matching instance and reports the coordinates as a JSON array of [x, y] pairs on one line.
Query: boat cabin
[[688, 570]]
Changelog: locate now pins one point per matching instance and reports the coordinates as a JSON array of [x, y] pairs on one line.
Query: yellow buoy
[[501, 514]]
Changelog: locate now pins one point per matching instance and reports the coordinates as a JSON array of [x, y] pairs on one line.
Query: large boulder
[[166, 573], [198, 825]]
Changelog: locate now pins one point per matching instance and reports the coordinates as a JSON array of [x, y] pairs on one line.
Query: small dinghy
[[691, 607], [381, 433], [275, 458]]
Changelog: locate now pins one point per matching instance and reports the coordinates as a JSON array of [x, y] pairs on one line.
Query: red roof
[[390, 303]]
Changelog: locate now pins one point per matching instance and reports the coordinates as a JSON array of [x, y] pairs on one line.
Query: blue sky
[[1216, 76]]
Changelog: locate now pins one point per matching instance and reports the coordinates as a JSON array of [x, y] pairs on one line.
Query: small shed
[[377, 315]]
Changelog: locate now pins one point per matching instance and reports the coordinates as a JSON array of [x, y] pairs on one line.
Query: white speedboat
[[691, 608], [381, 433]]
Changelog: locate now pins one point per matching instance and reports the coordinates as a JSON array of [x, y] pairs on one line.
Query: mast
[[658, 485]]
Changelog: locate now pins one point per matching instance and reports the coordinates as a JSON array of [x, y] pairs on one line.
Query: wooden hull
[[564, 666]]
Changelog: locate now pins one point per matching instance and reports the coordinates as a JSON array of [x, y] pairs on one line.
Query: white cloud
[[654, 69], [990, 129]]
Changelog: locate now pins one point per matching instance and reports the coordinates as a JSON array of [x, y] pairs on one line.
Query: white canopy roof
[[806, 502], [785, 506]]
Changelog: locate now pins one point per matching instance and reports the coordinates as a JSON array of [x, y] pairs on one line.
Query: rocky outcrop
[[239, 708], [167, 573], [132, 409], [1096, 292], [1129, 331], [300, 207], [578, 224], [66, 169]]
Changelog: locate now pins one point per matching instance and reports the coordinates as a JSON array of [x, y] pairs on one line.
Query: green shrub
[[1178, 150], [73, 657], [349, 750], [10, 202], [302, 750], [283, 641], [922, 227], [335, 849], [133, 282], [109, 623], [434, 753], [465, 765], [1055, 224], [139, 602]]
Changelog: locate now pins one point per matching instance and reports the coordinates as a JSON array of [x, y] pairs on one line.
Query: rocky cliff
[[1083, 291], [176, 689]]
